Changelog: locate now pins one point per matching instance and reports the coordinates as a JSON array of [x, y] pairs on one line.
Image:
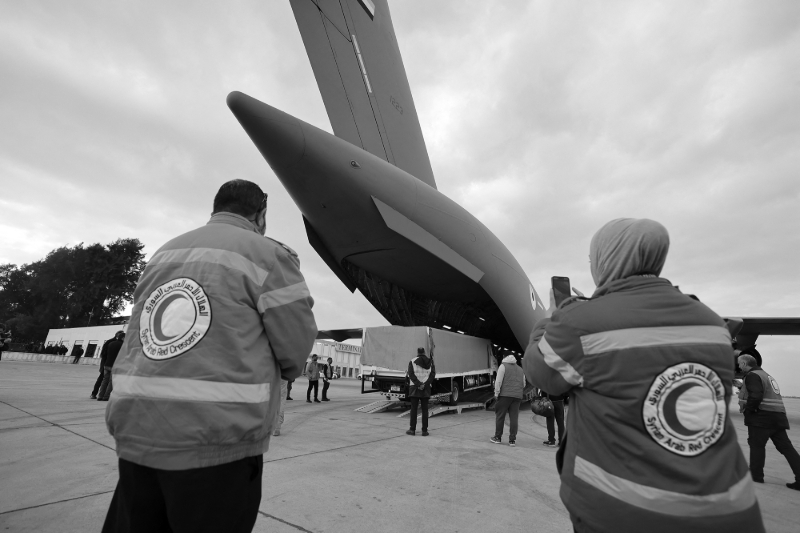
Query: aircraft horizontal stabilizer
[[340, 335]]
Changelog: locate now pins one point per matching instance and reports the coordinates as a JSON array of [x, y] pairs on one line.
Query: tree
[[70, 287]]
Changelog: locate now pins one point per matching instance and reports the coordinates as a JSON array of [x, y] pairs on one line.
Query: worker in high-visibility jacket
[[649, 445], [220, 315], [761, 403]]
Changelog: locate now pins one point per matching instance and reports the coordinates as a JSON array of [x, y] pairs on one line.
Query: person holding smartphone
[[649, 445]]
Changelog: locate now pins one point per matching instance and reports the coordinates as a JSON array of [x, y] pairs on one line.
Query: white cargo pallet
[[444, 408]]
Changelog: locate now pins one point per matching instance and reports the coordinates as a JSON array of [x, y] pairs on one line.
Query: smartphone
[[561, 288]]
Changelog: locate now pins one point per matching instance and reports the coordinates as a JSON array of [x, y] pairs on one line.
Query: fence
[[47, 358]]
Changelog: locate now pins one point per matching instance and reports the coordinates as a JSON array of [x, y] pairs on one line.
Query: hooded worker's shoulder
[[641, 302]]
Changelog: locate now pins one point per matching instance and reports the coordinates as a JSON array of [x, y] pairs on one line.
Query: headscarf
[[626, 247]]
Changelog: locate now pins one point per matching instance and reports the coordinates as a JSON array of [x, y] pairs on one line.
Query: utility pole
[[91, 314]]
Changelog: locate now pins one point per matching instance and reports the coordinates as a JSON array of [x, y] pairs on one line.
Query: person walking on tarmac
[[509, 386], [421, 373], [312, 373], [221, 315], [649, 444], [765, 417], [108, 366], [103, 355]]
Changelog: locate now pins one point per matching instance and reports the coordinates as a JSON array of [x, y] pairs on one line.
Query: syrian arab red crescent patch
[[684, 410], [176, 316]]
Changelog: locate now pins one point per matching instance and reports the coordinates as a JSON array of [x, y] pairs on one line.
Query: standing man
[[765, 417], [77, 352], [508, 391], [556, 419], [108, 365], [327, 376], [312, 373], [103, 354], [220, 315], [5, 338], [289, 389], [649, 444], [421, 373]]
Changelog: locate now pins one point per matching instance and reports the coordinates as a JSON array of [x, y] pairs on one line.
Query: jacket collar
[[232, 219], [629, 283]]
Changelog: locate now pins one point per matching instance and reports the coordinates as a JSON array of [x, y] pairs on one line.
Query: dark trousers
[[107, 385], [325, 386], [558, 418], [216, 498], [98, 382], [757, 438], [414, 406], [76, 360], [505, 405], [289, 389], [312, 384]]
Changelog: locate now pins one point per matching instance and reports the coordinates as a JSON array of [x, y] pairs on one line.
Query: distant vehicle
[[463, 363]]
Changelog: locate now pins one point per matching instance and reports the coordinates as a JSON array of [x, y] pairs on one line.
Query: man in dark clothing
[[5, 338], [765, 417], [557, 418], [421, 373], [327, 375], [103, 354], [111, 356], [289, 389], [77, 352]]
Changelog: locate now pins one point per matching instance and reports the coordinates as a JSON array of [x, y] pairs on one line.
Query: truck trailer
[[463, 363]]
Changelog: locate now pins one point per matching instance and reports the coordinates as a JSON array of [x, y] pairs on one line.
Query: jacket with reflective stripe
[[649, 444], [772, 399], [220, 314]]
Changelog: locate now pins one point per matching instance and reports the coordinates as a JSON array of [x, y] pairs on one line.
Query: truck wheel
[[455, 393]]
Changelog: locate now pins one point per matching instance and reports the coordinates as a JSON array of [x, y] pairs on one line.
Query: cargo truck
[[463, 363]]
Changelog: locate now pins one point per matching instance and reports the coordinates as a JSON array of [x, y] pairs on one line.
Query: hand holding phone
[[561, 288]]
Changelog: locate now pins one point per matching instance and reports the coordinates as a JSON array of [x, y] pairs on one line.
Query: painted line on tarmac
[[334, 449], [59, 426], [299, 528], [59, 501]]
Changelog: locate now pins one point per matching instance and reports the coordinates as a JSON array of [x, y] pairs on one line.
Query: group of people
[[648, 446], [313, 371]]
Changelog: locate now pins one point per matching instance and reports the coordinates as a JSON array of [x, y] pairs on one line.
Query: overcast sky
[[544, 119]]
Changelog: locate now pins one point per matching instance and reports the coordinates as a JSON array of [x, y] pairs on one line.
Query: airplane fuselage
[[418, 256]]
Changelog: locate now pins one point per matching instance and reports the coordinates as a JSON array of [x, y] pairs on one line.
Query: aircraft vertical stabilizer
[[360, 73]]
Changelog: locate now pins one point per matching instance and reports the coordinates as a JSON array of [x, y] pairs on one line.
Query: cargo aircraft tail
[[356, 60]]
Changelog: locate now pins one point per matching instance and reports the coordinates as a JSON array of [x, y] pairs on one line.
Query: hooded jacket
[[510, 379], [649, 375], [421, 373], [220, 314]]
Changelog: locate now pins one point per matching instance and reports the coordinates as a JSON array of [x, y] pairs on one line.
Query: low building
[[346, 357], [90, 339]]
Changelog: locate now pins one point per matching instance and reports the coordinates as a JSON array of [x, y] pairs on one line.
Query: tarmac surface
[[332, 469]]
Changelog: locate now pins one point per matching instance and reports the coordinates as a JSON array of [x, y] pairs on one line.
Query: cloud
[[545, 120]]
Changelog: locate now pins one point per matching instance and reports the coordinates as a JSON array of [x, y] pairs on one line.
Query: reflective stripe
[[283, 296], [621, 339], [739, 497], [225, 258], [190, 389], [421, 373], [555, 362]]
